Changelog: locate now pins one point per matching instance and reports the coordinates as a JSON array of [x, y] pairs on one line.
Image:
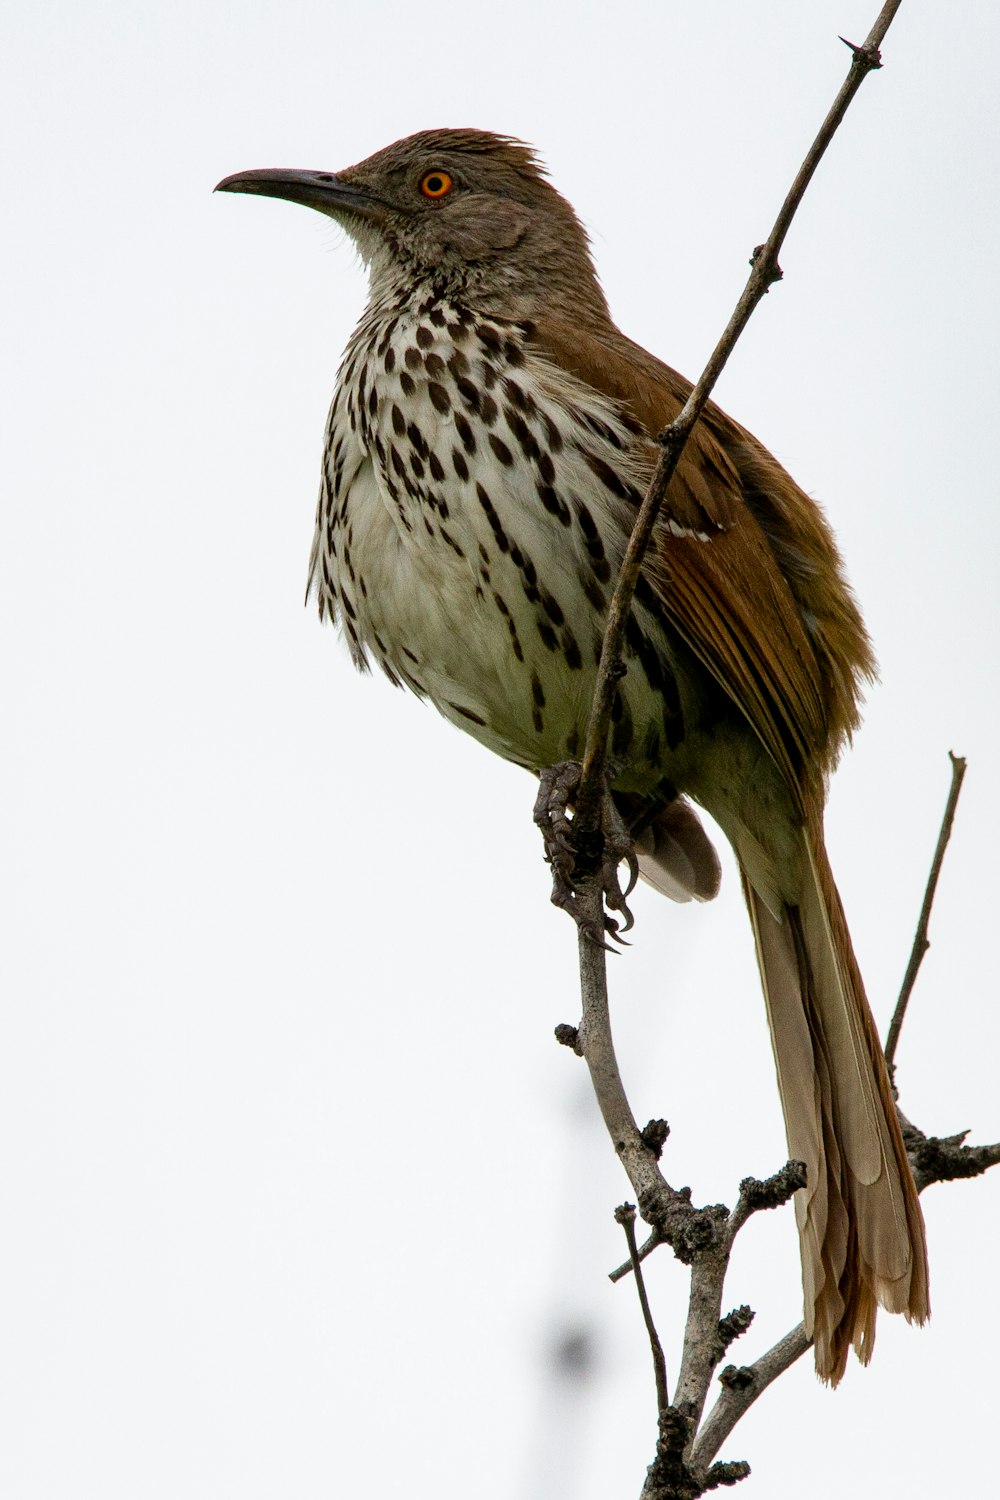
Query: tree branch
[[921, 942]]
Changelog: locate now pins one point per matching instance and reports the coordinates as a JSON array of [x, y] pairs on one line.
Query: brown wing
[[743, 562]]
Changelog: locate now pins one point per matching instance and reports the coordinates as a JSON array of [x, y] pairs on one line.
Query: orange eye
[[436, 184]]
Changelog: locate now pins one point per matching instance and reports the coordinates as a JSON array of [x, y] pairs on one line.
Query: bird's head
[[467, 207]]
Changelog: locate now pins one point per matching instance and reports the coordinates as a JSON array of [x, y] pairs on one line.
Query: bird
[[490, 438]]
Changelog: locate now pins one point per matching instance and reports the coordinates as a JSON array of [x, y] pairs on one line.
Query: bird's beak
[[323, 191]]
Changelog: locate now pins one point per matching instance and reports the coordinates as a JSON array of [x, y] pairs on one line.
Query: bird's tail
[[860, 1226]]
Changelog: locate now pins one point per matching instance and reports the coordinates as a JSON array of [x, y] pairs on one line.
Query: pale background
[[298, 1193]]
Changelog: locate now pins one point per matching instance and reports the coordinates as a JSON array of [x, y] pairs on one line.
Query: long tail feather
[[860, 1225]]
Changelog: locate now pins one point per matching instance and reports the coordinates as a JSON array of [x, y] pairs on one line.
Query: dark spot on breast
[[552, 433], [467, 713], [450, 540], [512, 352], [386, 339], [553, 504], [488, 336], [501, 451], [494, 520], [439, 397], [413, 359], [417, 439], [465, 433], [398, 464], [523, 433], [458, 364], [460, 466], [425, 337], [609, 478], [548, 636], [437, 317], [434, 365], [518, 396], [488, 410], [436, 466], [389, 360], [552, 609], [469, 392], [595, 594], [546, 467], [416, 465], [537, 691], [398, 421], [571, 651], [591, 535], [407, 384], [598, 428]]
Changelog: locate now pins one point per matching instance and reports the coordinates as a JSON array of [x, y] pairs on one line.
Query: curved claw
[[563, 851]]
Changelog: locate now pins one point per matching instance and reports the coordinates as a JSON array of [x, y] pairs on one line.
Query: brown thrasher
[[490, 438]]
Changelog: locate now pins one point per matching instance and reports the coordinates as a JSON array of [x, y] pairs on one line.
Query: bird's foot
[[576, 854]]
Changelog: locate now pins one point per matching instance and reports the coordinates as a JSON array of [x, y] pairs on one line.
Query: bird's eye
[[436, 184]]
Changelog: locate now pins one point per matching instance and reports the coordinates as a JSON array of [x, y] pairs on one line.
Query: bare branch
[[921, 942], [626, 1218]]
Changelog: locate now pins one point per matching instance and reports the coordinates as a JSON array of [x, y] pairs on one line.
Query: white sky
[[297, 1188]]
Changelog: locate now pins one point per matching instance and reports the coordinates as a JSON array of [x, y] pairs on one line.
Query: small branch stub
[[569, 1036], [869, 57]]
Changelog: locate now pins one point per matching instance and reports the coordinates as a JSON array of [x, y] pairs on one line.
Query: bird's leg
[[574, 854]]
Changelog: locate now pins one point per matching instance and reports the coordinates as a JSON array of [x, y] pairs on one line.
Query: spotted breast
[[474, 507]]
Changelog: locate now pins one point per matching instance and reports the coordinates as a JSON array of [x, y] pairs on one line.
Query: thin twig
[[626, 1218], [765, 271], [921, 942]]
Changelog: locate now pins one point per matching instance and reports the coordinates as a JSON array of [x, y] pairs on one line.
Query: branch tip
[[734, 1325], [737, 1377], [773, 1191], [654, 1136], [569, 1036], [727, 1473]]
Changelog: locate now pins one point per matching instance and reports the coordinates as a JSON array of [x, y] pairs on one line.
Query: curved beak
[[323, 191]]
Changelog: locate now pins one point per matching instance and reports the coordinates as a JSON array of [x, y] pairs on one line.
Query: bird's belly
[[467, 624]]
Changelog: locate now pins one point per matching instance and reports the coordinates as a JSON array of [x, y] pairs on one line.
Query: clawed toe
[[575, 854]]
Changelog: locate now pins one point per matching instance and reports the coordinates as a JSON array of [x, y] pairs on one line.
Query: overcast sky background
[[299, 1194]]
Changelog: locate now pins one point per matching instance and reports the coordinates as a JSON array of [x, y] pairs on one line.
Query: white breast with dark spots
[[472, 515]]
